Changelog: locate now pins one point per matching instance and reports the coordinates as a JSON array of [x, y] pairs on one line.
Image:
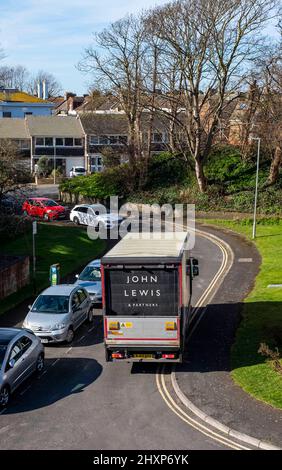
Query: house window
[[59, 142], [68, 142], [122, 139], [157, 138], [7, 114], [94, 140], [48, 141], [113, 139], [39, 142], [24, 144], [78, 142], [103, 140], [96, 163], [28, 113]]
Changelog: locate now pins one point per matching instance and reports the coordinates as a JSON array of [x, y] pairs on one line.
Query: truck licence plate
[[143, 356]]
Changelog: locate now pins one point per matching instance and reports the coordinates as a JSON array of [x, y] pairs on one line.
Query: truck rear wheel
[[107, 355]]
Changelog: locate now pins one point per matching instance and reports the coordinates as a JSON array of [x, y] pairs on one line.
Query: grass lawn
[[262, 316], [68, 246]]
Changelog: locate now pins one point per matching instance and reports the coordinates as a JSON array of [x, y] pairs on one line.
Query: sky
[[51, 35]]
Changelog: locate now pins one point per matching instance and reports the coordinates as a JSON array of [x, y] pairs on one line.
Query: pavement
[[205, 377], [82, 402]]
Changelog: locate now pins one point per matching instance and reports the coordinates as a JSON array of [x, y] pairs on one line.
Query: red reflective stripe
[[105, 328], [103, 286], [178, 328], [180, 284]]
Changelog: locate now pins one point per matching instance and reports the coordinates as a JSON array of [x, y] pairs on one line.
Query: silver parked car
[[21, 354], [90, 279], [58, 311]]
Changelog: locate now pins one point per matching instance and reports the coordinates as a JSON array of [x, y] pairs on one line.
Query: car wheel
[[40, 363], [70, 336], [76, 221], [90, 316], [4, 396]]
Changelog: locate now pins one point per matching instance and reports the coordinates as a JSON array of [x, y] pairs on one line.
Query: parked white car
[[77, 171], [88, 214]]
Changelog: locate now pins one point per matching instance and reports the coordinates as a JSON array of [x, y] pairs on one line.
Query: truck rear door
[[142, 305]]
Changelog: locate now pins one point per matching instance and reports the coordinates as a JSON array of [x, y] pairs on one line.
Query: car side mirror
[[12, 363]]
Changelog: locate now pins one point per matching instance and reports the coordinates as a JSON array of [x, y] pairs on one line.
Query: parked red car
[[44, 208]]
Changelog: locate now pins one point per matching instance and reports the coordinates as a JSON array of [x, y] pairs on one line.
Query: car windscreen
[[3, 350], [80, 170], [49, 203], [51, 304], [92, 274], [142, 291]]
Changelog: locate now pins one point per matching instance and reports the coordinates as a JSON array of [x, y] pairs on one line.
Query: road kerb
[[216, 424]]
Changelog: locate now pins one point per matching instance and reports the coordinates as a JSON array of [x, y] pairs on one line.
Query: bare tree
[[54, 86], [210, 42], [14, 77], [13, 173], [117, 62]]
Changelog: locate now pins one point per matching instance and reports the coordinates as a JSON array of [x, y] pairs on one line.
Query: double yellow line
[[227, 261]]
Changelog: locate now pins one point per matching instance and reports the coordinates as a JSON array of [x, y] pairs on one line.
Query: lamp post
[[256, 190], [55, 156]]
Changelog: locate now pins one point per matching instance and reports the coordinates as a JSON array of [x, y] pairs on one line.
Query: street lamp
[[256, 190], [55, 157]]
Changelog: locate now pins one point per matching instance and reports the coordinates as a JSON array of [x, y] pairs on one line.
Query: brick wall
[[14, 274]]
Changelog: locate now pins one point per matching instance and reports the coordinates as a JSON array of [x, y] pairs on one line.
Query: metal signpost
[[34, 232], [256, 190]]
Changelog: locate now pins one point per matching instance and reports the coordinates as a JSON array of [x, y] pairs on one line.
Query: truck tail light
[[170, 326], [117, 355], [114, 325], [168, 356]]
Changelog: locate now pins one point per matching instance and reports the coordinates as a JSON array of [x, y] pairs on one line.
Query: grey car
[[90, 279], [57, 313], [21, 354]]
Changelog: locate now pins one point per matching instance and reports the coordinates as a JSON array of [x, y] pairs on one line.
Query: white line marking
[[245, 260], [25, 390], [187, 419], [80, 339], [55, 362], [69, 350]]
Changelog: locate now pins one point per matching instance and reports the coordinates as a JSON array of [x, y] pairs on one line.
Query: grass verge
[[68, 246], [262, 315]]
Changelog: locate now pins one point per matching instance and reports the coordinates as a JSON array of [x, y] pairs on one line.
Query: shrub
[[12, 226], [166, 169], [100, 186]]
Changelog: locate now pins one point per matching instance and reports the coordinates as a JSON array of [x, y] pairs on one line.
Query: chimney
[[68, 94], [39, 90], [45, 90]]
